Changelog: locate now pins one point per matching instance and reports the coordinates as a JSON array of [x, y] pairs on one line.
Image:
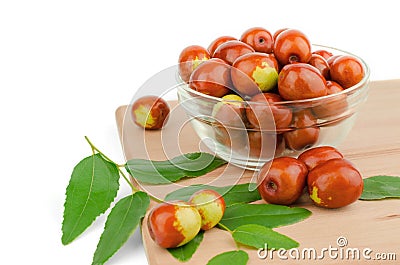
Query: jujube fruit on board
[[211, 206], [282, 181], [150, 112], [318, 155], [173, 224], [335, 183]]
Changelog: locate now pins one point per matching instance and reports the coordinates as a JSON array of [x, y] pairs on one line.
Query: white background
[[65, 66]]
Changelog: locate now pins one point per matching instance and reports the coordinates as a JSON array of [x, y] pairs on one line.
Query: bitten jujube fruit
[[174, 224], [191, 57], [318, 155], [335, 183], [259, 38], [150, 112], [211, 206], [282, 181]]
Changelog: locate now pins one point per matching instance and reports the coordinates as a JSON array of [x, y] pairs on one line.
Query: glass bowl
[[223, 124]]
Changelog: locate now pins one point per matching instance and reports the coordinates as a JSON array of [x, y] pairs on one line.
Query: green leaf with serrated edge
[[236, 257], [122, 221], [268, 215], [381, 187], [166, 172], [185, 252], [258, 236], [232, 194], [91, 189]]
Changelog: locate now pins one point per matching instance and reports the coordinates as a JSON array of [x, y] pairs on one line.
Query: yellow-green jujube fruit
[[211, 206]]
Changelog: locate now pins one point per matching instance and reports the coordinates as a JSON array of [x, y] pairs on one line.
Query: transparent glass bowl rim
[[349, 90]]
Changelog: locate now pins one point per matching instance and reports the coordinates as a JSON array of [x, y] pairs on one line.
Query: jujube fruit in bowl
[[305, 93], [291, 46], [218, 41], [263, 115], [321, 64], [259, 38], [306, 132], [229, 121], [334, 105], [255, 72], [191, 57], [263, 144], [346, 70], [324, 53], [301, 81], [229, 51], [212, 77]]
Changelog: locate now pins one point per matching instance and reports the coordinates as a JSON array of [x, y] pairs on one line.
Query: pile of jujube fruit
[[330, 179], [264, 67]]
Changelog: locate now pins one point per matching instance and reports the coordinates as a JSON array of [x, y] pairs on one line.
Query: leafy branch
[[94, 184]]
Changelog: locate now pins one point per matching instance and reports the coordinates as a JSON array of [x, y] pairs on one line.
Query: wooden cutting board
[[373, 145]]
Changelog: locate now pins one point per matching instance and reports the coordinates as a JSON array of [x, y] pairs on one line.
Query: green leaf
[[232, 194], [165, 172], [237, 257], [91, 189], [381, 187], [185, 252], [268, 215], [258, 236], [121, 223]]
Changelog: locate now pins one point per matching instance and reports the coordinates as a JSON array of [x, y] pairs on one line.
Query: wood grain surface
[[373, 145]]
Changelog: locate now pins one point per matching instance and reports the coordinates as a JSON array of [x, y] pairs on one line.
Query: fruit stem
[[224, 227], [119, 166], [95, 149]]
